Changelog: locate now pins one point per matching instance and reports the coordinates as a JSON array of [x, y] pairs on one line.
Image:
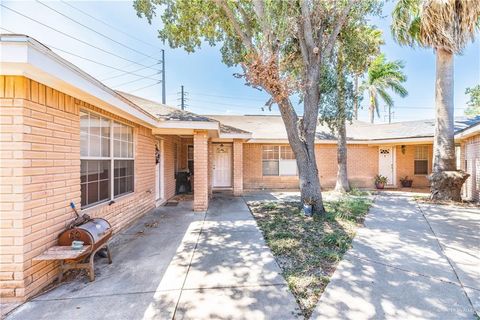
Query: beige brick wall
[[471, 148], [40, 161], [237, 167], [201, 167], [361, 173], [362, 166], [406, 162]]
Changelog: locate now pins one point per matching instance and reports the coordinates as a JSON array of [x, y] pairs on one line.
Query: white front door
[[386, 166], [159, 159], [222, 166]]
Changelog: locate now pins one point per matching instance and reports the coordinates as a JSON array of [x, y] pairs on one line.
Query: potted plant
[[307, 206], [380, 181], [406, 182]]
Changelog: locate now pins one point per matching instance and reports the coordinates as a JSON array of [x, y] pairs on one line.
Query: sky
[[104, 36]]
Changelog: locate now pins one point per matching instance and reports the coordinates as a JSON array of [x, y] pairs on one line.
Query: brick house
[[66, 137]]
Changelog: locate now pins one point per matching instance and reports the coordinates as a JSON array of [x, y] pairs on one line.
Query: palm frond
[[398, 88], [386, 97], [445, 24]]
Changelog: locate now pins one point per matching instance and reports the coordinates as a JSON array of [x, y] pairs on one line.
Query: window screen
[[421, 160]]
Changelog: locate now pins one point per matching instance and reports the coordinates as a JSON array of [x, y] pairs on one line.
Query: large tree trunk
[[371, 110], [355, 99], [444, 183], [443, 141], [303, 146], [342, 184]]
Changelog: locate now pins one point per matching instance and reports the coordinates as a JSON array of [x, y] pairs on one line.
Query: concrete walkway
[[409, 262], [174, 264]]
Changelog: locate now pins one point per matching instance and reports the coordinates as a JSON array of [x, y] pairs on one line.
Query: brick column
[[210, 169], [200, 163], [237, 167]]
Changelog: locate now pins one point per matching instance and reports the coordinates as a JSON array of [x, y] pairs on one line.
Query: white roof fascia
[[473, 130], [194, 125], [383, 141], [235, 135], [24, 56]]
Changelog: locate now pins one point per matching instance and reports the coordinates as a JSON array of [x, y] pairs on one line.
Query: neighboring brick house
[[65, 137]]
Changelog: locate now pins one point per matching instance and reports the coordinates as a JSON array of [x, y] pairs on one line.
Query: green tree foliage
[[384, 76], [474, 102], [281, 47]]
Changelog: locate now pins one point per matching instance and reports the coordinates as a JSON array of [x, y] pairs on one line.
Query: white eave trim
[[194, 125], [473, 130], [372, 142], [235, 135], [24, 56]]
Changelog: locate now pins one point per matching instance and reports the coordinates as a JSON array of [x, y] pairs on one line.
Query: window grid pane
[[270, 152], [123, 140], [94, 181], [286, 153], [421, 153], [270, 167], [123, 175]]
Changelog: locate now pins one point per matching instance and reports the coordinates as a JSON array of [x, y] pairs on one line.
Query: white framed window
[[421, 160], [278, 161], [106, 158]]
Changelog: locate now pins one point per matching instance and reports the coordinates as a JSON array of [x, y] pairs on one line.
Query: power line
[[151, 85], [225, 104], [135, 80], [102, 64], [120, 75], [95, 31], [109, 25], [70, 36], [231, 97]]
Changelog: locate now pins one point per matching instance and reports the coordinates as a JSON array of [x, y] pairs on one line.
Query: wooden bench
[[73, 259]]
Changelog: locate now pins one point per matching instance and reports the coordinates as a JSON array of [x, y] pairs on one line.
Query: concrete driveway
[[174, 264], [409, 262]]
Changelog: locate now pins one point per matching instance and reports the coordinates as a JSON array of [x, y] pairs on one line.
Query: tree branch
[[338, 27], [236, 25], [307, 26]]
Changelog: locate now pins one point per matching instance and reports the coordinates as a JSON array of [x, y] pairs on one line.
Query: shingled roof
[[271, 127], [164, 112]]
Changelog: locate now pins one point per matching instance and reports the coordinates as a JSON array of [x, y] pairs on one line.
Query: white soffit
[[24, 56]]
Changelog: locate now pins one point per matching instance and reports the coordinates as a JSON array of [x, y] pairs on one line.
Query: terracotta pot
[[379, 185]]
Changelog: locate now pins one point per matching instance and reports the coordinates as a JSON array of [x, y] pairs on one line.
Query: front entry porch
[[197, 164]]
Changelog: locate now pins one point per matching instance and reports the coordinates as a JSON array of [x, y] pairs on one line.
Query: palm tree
[[382, 76], [446, 26]]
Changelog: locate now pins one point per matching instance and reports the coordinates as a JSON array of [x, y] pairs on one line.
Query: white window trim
[[415, 159], [112, 161], [279, 160]]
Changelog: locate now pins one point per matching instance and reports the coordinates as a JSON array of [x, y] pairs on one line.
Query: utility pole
[[164, 95], [183, 97], [391, 114]]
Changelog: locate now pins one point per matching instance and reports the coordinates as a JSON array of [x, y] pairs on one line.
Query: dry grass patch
[[308, 249]]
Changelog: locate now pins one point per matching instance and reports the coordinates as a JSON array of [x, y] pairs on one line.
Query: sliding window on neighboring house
[[278, 161], [421, 160], [106, 157]]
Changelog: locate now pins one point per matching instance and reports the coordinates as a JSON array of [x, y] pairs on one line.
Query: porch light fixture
[[403, 147]]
